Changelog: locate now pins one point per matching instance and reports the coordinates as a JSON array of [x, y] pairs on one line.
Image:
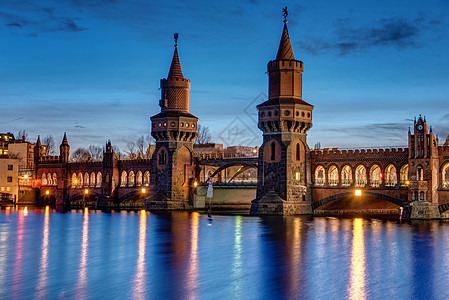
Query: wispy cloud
[[399, 33]]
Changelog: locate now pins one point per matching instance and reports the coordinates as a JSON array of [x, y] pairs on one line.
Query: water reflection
[[43, 268], [17, 273], [82, 275], [237, 261], [139, 279], [357, 279], [192, 275]]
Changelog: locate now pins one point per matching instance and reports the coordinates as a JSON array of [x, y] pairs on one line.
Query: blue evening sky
[[92, 67]]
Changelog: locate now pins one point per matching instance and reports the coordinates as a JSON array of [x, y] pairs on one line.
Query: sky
[[92, 68]]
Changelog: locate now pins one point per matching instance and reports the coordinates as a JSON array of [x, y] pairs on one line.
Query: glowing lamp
[[76, 181], [47, 192], [358, 193], [25, 176], [195, 184], [86, 191], [144, 190]]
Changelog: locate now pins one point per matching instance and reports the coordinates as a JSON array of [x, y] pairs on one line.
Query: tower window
[[273, 151], [298, 152], [162, 157]]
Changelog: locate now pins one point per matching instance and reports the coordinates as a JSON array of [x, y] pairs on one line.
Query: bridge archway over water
[[243, 167], [340, 196]]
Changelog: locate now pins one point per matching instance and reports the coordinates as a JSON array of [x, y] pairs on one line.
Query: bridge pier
[[423, 210]]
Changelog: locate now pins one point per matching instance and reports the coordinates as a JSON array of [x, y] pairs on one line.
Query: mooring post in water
[[401, 210]]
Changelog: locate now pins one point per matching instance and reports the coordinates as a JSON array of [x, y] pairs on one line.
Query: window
[[9, 179], [298, 157], [273, 151], [162, 157], [10, 167]]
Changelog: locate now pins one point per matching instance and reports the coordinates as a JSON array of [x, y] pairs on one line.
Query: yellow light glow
[[144, 190], [407, 182], [195, 184], [358, 193], [25, 176], [76, 181], [47, 192], [298, 176], [86, 191]]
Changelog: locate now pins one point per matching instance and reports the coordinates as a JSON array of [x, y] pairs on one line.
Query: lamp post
[[86, 191]]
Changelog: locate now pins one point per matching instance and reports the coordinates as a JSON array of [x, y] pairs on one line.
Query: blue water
[[143, 255]]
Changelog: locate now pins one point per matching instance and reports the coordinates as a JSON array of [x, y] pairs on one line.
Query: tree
[[80, 155], [50, 142], [22, 133], [204, 135], [131, 150], [141, 146], [95, 152]]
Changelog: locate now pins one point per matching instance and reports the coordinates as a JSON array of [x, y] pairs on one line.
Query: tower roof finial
[[285, 14], [285, 51], [176, 35], [175, 67]]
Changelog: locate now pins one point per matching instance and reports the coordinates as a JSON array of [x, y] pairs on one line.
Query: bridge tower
[[174, 129], [284, 172], [423, 170]]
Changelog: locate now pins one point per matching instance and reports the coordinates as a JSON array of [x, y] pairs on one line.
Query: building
[[9, 179]]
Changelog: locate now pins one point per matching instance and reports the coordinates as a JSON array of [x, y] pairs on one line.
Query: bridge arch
[[225, 166], [335, 197], [80, 195]]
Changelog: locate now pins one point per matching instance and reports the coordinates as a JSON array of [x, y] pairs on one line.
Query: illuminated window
[[99, 179], [8, 189], [360, 176], [319, 176], [146, 178], [55, 179], [124, 179], [346, 176], [139, 178], [298, 176], [131, 178], [390, 176], [403, 176], [92, 179], [3, 189], [375, 176]]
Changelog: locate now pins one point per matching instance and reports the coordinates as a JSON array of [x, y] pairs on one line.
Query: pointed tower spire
[[285, 51], [64, 139], [38, 143], [175, 68]]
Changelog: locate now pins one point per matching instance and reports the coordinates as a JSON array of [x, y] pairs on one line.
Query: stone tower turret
[[174, 129], [64, 149], [284, 173], [39, 151]]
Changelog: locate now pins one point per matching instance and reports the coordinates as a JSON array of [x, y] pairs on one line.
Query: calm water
[[142, 255]]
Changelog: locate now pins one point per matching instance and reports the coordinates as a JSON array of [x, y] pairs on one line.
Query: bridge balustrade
[[346, 182], [320, 181], [391, 183], [333, 182], [360, 183], [376, 183]]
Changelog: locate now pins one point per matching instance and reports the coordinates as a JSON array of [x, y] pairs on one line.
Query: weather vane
[[285, 13], [175, 35]]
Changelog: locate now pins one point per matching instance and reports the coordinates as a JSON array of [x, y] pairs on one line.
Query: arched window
[[146, 178], [139, 178], [55, 179], [131, 178], [99, 179], [74, 180], [346, 176], [333, 176], [86, 179], [124, 179], [445, 176], [403, 177], [360, 176], [319, 175], [391, 178], [162, 157], [375, 176], [49, 179], [44, 179], [298, 152], [80, 180], [92, 179], [419, 173], [273, 150]]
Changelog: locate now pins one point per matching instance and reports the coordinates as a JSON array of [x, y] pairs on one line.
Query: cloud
[[33, 20], [399, 33]]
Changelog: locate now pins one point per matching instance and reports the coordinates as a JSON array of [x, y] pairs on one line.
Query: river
[[185, 255]]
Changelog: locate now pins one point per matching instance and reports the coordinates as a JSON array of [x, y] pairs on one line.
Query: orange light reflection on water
[[139, 279], [192, 281], [43, 268], [82, 276], [357, 289]]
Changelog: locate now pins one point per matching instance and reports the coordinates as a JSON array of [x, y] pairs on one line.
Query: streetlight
[[358, 193], [143, 190], [47, 192], [86, 191]]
